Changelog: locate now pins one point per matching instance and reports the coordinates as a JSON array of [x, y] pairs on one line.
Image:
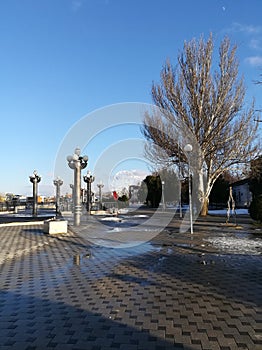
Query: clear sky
[[63, 59]]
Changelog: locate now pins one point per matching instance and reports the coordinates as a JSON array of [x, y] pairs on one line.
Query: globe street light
[[100, 185], [35, 179], [77, 163], [58, 183], [188, 148], [88, 178]]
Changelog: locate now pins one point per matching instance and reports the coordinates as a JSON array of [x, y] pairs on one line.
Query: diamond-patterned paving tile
[[157, 299]]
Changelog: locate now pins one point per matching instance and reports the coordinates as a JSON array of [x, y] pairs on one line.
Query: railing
[[6, 206]]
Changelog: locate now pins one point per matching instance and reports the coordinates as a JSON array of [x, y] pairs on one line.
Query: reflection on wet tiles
[[76, 259], [87, 255], [80, 258], [184, 245]]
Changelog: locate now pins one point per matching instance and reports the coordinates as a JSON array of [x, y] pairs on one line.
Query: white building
[[241, 193], [133, 193]]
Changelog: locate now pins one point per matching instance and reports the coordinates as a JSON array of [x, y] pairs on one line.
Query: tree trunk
[[204, 209], [201, 191]]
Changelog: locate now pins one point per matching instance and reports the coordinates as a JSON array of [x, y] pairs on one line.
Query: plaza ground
[[176, 291]]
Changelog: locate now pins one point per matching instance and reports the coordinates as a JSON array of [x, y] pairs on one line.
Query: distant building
[[133, 193], [241, 193]]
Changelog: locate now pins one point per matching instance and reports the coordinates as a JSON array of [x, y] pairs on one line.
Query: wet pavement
[[26, 216], [176, 291]]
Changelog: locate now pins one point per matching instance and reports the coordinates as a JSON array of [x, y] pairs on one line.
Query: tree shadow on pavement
[[235, 277], [28, 322]]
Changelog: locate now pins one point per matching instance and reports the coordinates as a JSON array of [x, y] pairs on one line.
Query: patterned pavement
[[174, 292]]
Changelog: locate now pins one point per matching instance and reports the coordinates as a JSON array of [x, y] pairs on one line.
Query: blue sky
[[63, 59]]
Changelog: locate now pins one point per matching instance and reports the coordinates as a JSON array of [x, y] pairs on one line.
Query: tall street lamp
[[163, 196], [100, 185], [72, 197], [88, 178], [180, 179], [35, 179], [58, 183], [188, 148], [77, 163]]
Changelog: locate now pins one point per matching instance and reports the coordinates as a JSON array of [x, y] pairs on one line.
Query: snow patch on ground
[[237, 245], [224, 212]]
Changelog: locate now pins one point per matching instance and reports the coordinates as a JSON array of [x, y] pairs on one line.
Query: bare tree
[[256, 169], [258, 81], [209, 104]]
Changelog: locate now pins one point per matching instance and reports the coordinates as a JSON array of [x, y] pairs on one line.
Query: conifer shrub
[[255, 209]]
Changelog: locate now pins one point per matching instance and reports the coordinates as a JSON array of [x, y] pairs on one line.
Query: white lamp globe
[[188, 147]]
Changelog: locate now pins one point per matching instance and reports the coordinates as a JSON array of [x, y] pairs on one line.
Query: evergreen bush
[[255, 209]]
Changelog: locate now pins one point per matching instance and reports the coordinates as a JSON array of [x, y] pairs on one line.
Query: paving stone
[[157, 296]]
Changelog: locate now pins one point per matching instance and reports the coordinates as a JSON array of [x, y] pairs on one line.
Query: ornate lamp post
[[188, 148], [77, 163], [35, 179], [88, 178], [100, 185], [58, 183]]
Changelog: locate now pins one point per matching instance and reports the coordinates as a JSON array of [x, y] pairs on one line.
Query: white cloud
[[246, 28], [254, 60], [252, 33], [255, 44], [76, 4], [124, 178]]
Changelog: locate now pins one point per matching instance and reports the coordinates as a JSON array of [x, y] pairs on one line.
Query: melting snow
[[237, 245]]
